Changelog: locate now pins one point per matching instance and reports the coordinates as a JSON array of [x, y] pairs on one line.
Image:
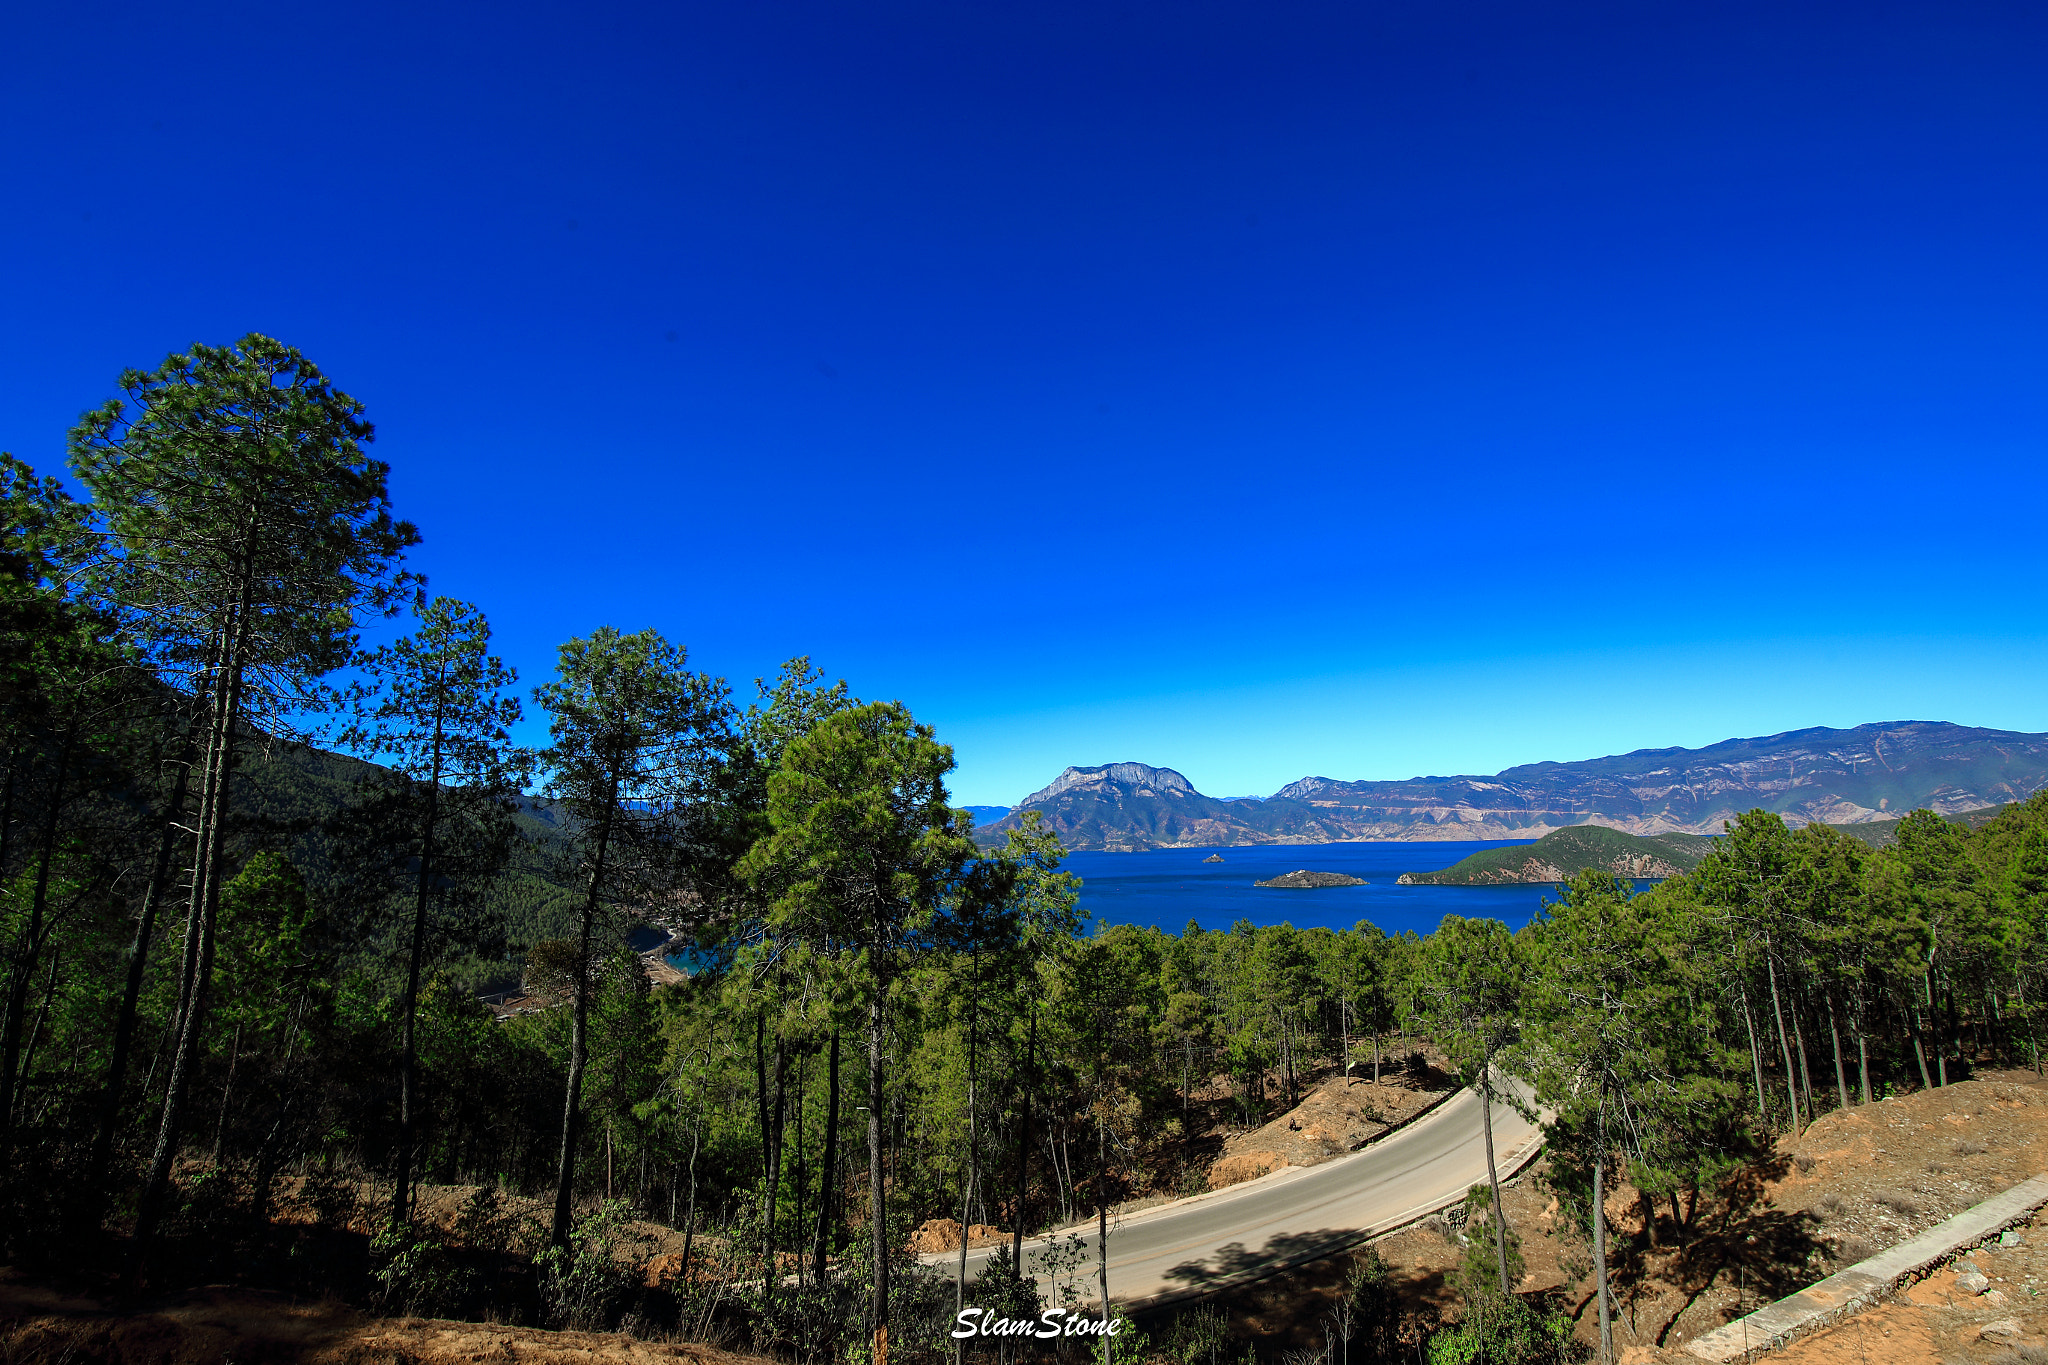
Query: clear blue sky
[[1258, 389]]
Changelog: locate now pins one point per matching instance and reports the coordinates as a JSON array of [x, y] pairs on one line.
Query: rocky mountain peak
[[1112, 774]]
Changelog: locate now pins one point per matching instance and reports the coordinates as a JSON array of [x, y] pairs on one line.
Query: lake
[[1168, 887]]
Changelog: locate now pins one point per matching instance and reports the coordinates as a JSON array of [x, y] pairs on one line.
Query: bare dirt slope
[[1336, 1116], [1854, 1183], [1937, 1323], [219, 1326]]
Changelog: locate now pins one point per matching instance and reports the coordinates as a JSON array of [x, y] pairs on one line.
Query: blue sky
[[1257, 389]]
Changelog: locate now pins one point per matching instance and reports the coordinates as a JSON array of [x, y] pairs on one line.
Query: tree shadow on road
[[1236, 1263]]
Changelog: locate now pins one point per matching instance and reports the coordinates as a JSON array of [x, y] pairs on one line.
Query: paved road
[[1196, 1245]]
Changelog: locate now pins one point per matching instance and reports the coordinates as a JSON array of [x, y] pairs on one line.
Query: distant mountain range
[[1841, 777]]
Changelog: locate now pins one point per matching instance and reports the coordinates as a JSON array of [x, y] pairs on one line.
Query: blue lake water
[[1168, 887]]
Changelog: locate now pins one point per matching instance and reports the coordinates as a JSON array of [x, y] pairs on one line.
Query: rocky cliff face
[[1873, 772], [1141, 778], [1127, 806]]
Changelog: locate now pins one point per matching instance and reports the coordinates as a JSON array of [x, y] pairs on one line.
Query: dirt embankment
[[1855, 1183], [221, 1326], [943, 1234], [1336, 1116]]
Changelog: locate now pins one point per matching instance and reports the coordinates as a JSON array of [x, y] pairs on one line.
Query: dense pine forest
[[261, 887]]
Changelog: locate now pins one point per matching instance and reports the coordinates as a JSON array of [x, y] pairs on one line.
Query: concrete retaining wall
[[1867, 1282]]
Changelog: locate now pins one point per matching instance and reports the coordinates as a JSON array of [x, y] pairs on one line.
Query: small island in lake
[[1306, 880], [1213, 858]]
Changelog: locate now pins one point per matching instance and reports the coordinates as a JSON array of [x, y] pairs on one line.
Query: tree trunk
[[800, 1181], [1863, 1064], [201, 921], [830, 1170], [1952, 1038], [967, 1185], [266, 1150], [579, 1032], [1102, 1232], [878, 1204], [1187, 1079], [761, 1086], [2019, 983], [1919, 1052], [1756, 1063], [690, 1219], [7, 810], [408, 1063], [1600, 1243], [1835, 1035], [35, 1032], [1287, 1061], [1024, 1146], [124, 1022], [776, 1114], [1500, 1220], [1940, 1061], [1784, 1045], [227, 1093], [1805, 1071], [30, 951]]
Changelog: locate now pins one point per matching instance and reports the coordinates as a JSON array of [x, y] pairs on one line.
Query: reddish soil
[[943, 1234], [222, 1326], [1854, 1183], [1338, 1115]]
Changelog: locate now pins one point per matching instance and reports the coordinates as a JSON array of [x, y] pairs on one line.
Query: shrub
[[1196, 1337], [484, 1223], [1507, 1332], [1370, 1311], [590, 1284], [416, 1274], [1478, 1272]]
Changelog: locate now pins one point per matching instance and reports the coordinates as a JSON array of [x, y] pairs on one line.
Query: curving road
[[1212, 1241]]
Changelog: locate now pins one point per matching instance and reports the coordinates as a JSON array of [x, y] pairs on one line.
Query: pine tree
[[635, 743], [863, 853], [247, 534], [443, 726]]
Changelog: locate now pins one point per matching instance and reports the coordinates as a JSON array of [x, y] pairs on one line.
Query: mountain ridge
[[1867, 773]]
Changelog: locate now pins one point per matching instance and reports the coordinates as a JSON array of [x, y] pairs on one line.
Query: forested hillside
[[1562, 854], [289, 795], [240, 1033]]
